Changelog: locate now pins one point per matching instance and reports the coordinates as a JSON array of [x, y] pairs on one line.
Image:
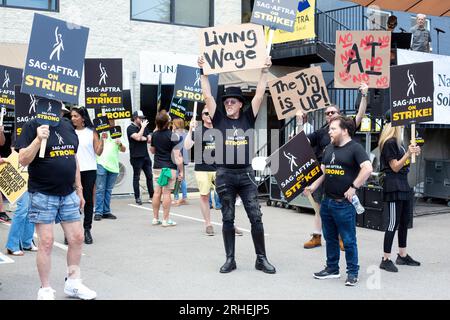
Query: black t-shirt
[[394, 181], [234, 150], [137, 148], [320, 138], [164, 142], [342, 165], [5, 150], [205, 157], [55, 174]]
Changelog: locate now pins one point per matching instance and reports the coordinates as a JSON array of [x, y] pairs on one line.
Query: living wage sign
[[276, 14], [233, 48], [54, 64], [362, 56], [412, 92], [188, 84]]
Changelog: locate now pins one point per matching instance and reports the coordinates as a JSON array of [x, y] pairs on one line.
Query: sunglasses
[[231, 101], [330, 113]]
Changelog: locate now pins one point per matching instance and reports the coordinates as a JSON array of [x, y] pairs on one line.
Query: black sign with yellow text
[[24, 110], [103, 83], [115, 132], [48, 112], [9, 77], [101, 124]]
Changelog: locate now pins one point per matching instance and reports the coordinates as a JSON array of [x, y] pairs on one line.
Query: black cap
[[233, 92], [138, 114]]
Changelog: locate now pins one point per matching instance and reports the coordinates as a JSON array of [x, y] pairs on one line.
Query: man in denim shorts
[[56, 196]]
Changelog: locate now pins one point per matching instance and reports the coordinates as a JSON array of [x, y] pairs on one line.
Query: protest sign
[[362, 56], [188, 84], [280, 14], [115, 132], [103, 83], [13, 178], [233, 48], [25, 109], [101, 124], [412, 92], [123, 112], [8, 120], [304, 27], [9, 77], [294, 166], [304, 90], [48, 112], [54, 63]]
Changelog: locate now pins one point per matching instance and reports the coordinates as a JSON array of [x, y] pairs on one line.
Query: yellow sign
[[303, 28], [13, 178]]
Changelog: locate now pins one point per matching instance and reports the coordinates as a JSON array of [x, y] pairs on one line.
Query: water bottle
[[358, 206]]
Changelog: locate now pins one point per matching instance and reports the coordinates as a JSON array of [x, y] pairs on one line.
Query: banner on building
[[362, 56], [103, 83], [304, 27], [412, 90], [123, 112], [54, 64], [24, 110], [13, 178], [294, 166], [277, 15], [233, 48], [303, 90], [441, 77], [188, 84]]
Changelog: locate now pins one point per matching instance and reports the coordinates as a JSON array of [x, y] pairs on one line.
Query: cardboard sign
[[54, 64], [123, 112], [188, 85], [362, 56], [303, 90], [233, 48], [115, 132], [279, 14], [103, 83], [13, 178], [24, 110], [48, 112], [294, 166], [101, 124], [412, 91], [9, 77]]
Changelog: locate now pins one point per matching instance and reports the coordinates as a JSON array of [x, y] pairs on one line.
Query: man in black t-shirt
[[346, 167], [233, 155], [138, 138], [53, 199], [319, 140]]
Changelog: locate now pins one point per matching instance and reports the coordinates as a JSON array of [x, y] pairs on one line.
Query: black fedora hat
[[233, 92]]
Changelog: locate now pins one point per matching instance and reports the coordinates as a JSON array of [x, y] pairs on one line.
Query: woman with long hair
[[178, 128], [397, 193], [89, 146], [167, 160]]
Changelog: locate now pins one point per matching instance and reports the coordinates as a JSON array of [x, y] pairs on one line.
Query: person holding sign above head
[[395, 161], [56, 196], [319, 140], [138, 138], [90, 146], [107, 173], [346, 167], [233, 159]]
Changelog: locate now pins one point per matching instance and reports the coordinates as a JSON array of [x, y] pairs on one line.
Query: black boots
[[87, 237], [228, 241], [261, 260]]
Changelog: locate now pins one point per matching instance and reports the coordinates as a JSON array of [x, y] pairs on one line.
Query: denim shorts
[[47, 209]]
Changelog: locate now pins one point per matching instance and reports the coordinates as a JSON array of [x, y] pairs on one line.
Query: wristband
[[201, 71], [353, 186]]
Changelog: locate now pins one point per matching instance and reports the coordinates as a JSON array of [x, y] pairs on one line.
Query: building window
[[197, 13], [48, 5]]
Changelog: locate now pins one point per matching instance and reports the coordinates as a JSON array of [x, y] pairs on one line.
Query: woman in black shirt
[[397, 193]]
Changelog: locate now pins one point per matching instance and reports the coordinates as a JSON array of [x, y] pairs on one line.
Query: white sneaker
[[76, 289], [169, 223], [46, 294]]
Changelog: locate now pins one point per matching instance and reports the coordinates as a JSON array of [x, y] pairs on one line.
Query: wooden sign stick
[[42, 150], [1, 116], [269, 44], [413, 141], [194, 114]]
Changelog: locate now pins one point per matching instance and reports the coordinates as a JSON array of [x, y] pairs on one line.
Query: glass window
[[50, 5], [186, 12]]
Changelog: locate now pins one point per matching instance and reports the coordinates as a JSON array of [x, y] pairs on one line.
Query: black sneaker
[[327, 273], [351, 281], [97, 217], [388, 265], [4, 217], [139, 201], [407, 261], [109, 216]]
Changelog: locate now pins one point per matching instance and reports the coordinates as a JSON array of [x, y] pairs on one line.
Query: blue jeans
[[183, 187], [104, 185], [216, 200], [22, 230], [339, 218]]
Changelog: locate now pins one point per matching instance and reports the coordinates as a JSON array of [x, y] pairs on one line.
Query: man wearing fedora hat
[[233, 154]]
